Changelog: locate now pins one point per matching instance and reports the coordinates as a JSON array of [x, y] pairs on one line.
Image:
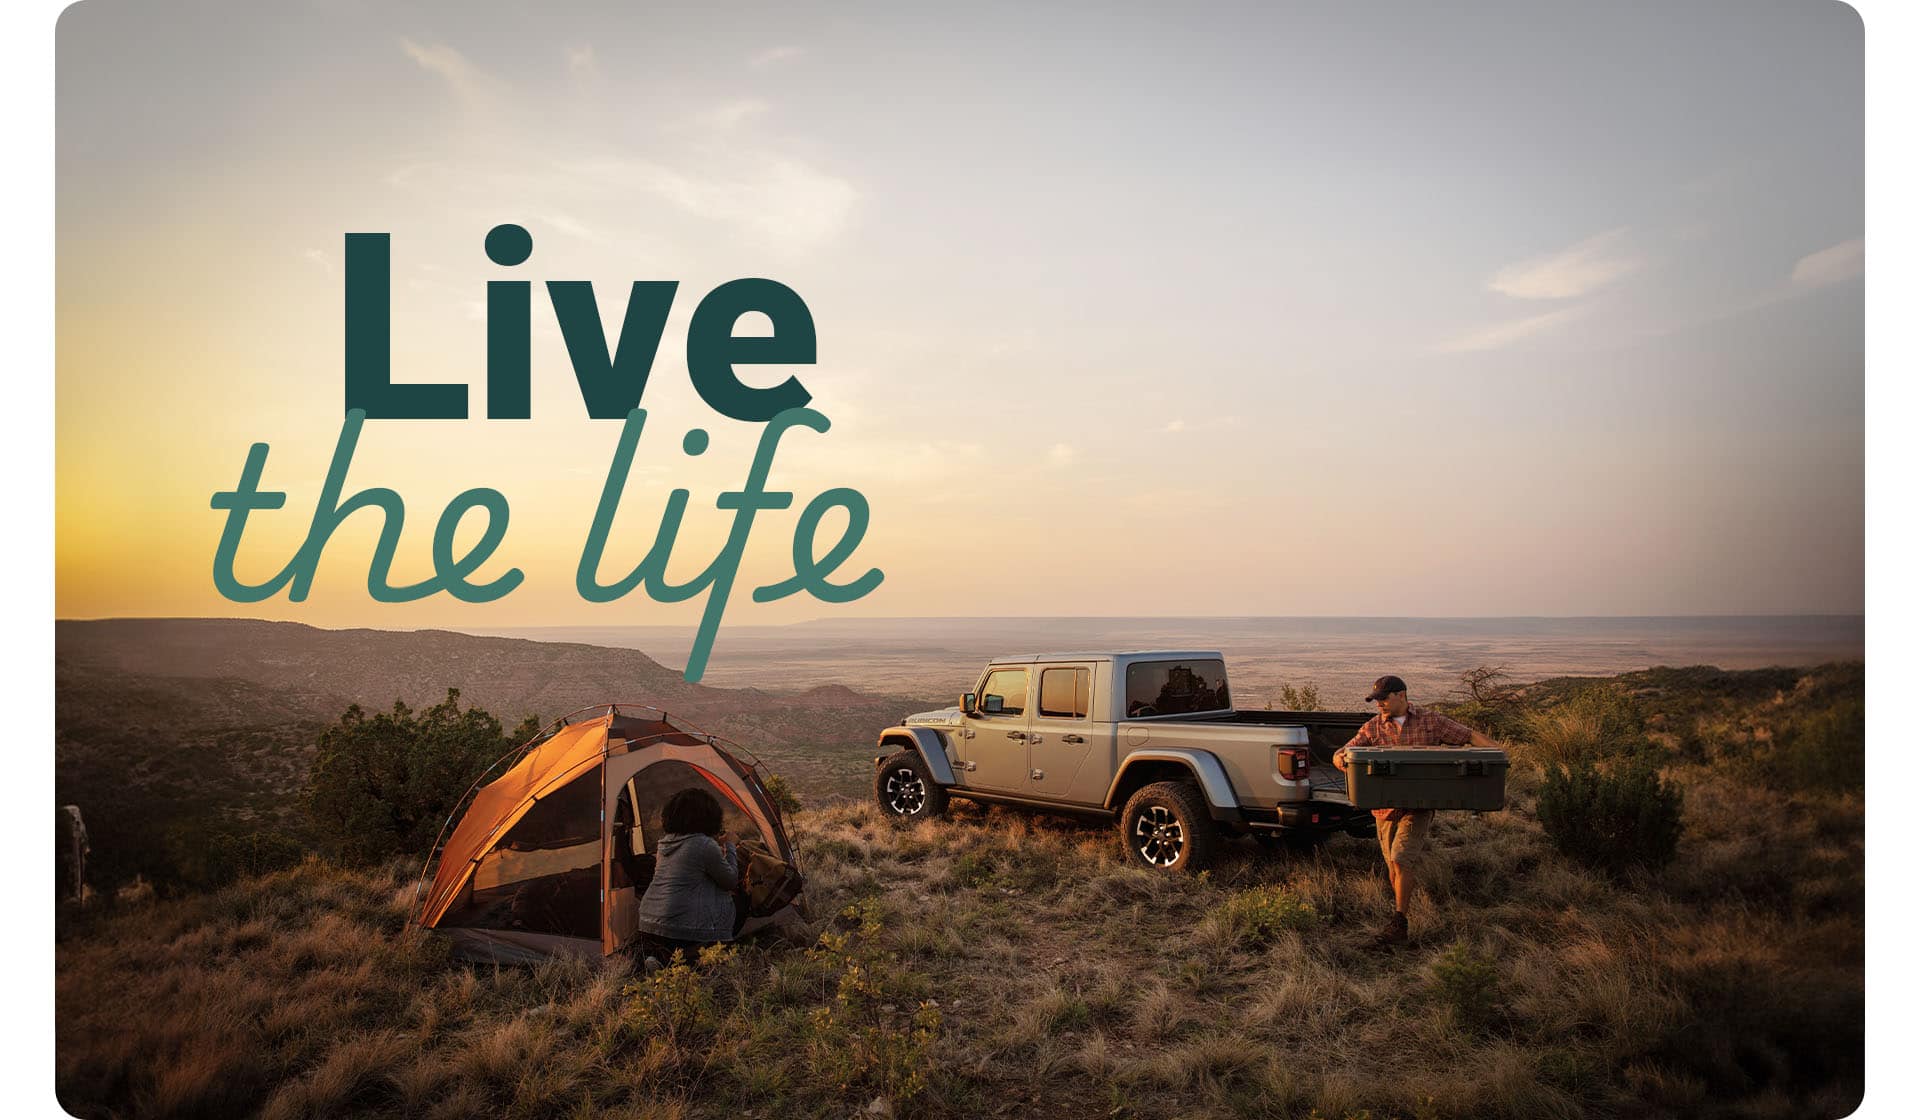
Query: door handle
[[1016, 735], [1071, 739]]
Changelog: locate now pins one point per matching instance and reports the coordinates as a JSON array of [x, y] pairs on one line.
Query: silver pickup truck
[[1149, 739]]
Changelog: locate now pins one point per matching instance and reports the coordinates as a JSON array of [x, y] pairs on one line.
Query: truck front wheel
[[1166, 826], [905, 790]]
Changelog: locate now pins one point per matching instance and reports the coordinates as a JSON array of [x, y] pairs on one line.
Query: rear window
[[1165, 688]]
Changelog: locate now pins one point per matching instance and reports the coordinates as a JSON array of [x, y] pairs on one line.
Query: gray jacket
[[691, 895]]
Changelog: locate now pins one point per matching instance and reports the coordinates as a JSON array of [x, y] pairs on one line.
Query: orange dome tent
[[553, 856]]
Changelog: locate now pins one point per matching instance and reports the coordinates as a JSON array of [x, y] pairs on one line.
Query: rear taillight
[[1293, 763]]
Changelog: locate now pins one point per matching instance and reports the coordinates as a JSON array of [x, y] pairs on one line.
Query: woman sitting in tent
[[695, 898]]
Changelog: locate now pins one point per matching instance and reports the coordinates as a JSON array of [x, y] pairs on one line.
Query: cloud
[[320, 259], [581, 61], [729, 114], [1175, 426], [1060, 454], [773, 55], [785, 204], [465, 79], [1830, 265], [572, 227], [1574, 271], [1505, 334], [711, 164]]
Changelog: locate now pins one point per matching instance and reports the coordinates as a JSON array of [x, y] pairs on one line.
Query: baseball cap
[[1386, 686]]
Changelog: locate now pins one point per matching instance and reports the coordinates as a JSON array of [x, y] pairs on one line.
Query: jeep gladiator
[[1149, 739]]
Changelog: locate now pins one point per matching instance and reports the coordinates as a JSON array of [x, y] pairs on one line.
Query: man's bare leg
[[1401, 888]]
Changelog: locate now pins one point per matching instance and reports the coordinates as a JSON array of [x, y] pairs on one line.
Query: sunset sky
[[1374, 309]]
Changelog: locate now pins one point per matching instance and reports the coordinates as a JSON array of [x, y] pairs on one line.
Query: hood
[[674, 841], [944, 717]]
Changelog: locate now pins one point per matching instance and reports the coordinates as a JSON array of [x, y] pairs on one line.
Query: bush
[[1257, 915], [1598, 721], [1611, 819], [207, 855], [785, 801], [1305, 698], [1468, 982], [1490, 701], [384, 785], [1503, 722], [1825, 749], [675, 1004]]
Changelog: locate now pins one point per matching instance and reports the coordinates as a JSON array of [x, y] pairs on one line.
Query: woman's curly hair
[[692, 810]]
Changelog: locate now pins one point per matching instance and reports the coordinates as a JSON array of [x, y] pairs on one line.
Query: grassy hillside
[[995, 963]]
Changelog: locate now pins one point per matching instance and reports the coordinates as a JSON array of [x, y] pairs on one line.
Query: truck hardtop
[[1151, 739]]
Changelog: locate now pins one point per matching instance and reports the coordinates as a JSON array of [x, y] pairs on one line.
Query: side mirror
[[969, 703]]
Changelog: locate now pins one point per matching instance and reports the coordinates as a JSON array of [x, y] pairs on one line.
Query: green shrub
[[1614, 818], [1257, 915], [972, 869], [1502, 721], [675, 1004], [875, 1035], [1824, 749], [785, 801], [1468, 982], [1305, 698], [1597, 721], [385, 784], [1490, 701], [207, 854]]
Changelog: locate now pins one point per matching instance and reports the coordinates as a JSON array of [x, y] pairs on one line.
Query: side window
[[544, 875], [1005, 693], [1064, 693]]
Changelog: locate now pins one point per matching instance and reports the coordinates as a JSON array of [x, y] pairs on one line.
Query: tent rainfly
[[552, 857]]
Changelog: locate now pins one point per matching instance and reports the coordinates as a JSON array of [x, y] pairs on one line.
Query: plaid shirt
[[1423, 729]]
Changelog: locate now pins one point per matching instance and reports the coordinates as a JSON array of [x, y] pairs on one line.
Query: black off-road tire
[[904, 789], [1166, 827]]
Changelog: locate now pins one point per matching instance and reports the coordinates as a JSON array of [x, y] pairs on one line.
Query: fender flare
[[927, 741], [1206, 770]]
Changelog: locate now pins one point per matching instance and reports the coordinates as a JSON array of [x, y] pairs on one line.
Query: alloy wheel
[[1157, 836], [906, 792]]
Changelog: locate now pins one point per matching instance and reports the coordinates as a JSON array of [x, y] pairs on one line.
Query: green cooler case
[[1427, 778]]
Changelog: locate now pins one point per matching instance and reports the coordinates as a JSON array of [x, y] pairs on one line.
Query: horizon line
[[1860, 615]]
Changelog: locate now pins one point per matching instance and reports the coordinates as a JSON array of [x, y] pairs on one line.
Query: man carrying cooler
[[1403, 832]]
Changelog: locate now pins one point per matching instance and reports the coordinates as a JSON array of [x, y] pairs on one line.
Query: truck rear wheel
[[1166, 826], [906, 791]]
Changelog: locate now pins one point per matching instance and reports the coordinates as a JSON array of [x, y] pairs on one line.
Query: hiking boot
[[1393, 933]]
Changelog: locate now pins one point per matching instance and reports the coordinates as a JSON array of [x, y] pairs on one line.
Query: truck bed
[[1328, 783], [1326, 731]]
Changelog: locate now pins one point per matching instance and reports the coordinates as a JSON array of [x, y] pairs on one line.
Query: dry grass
[[996, 961]]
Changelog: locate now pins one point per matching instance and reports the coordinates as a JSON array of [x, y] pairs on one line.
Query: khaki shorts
[[1403, 841]]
